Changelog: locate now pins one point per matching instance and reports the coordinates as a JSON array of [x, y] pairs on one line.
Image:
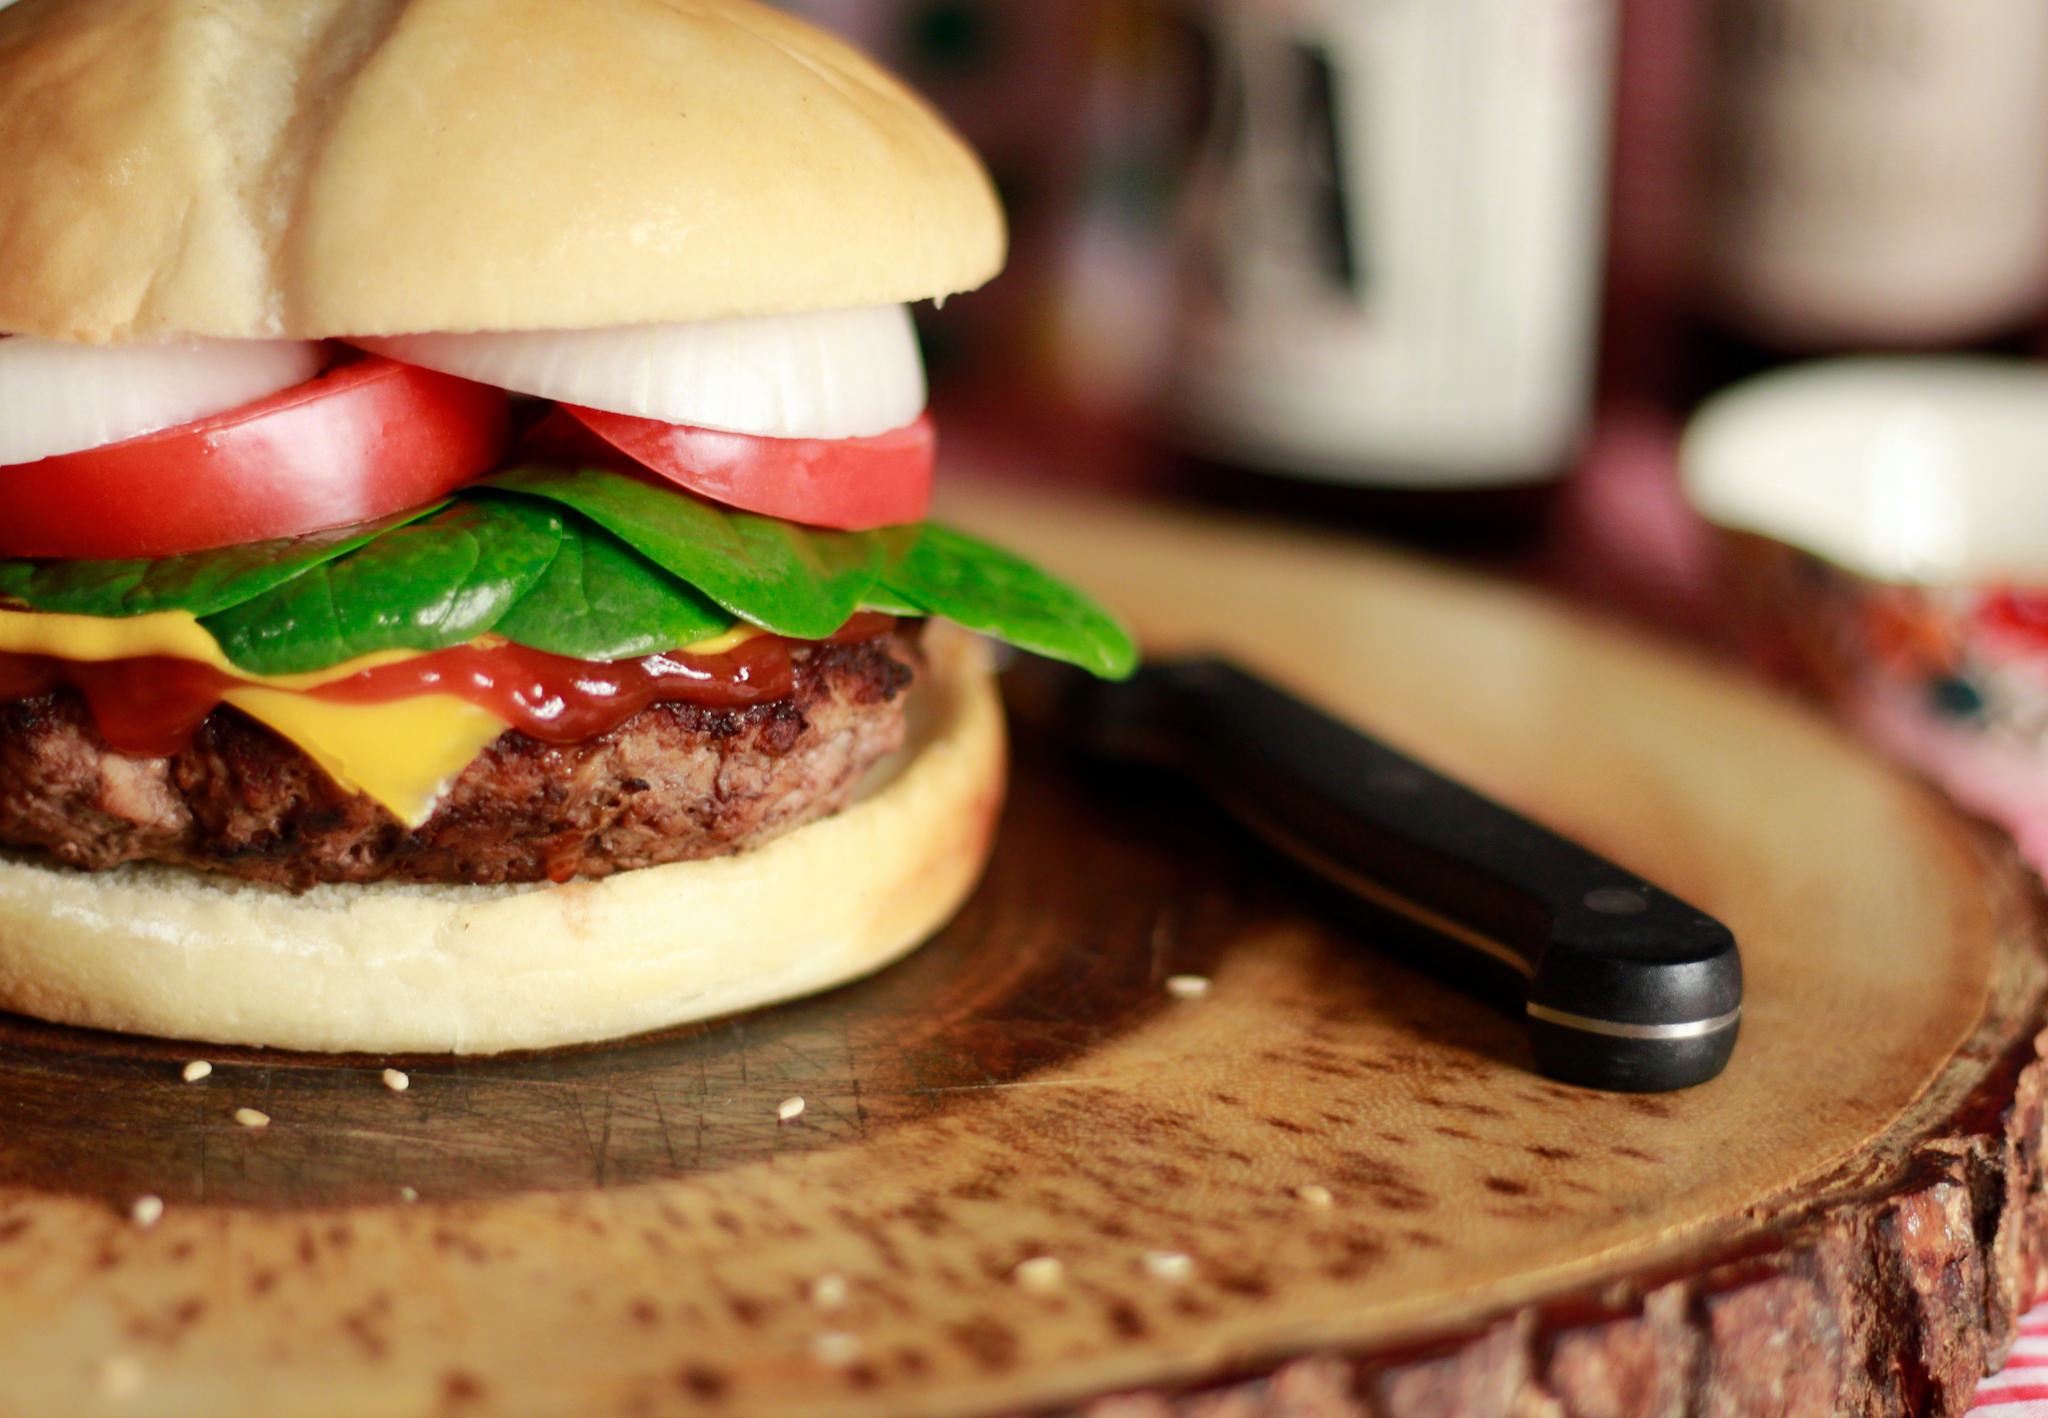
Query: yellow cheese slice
[[719, 644], [179, 634], [403, 753], [175, 633], [93, 637]]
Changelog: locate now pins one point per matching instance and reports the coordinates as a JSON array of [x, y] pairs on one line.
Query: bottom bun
[[475, 970]]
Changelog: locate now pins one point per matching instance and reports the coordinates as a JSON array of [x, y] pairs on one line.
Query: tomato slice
[[850, 483], [362, 441]]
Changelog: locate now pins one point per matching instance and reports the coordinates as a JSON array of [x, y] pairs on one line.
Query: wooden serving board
[[1844, 1221]]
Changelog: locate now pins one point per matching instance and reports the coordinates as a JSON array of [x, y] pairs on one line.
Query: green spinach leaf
[[990, 590], [601, 600], [424, 586], [585, 563], [203, 582], [793, 580]]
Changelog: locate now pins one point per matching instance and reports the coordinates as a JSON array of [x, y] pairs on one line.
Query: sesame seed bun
[[314, 168]]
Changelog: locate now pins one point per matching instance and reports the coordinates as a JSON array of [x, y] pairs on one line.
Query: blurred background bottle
[[1348, 258], [1337, 255], [1386, 248], [1875, 175]]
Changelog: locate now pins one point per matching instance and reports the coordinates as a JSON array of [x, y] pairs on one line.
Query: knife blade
[[1623, 986]]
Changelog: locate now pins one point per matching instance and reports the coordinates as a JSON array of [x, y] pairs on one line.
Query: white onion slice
[[58, 397], [811, 374]]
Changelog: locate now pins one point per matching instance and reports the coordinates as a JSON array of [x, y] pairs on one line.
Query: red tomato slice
[[851, 483], [362, 441]]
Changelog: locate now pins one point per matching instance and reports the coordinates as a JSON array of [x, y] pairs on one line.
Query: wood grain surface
[[1327, 1181]]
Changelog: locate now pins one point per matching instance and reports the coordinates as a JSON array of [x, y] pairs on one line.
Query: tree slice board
[[1326, 1184]]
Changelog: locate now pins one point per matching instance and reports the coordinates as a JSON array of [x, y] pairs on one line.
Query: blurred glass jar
[[1877, 170], [1387, 242]]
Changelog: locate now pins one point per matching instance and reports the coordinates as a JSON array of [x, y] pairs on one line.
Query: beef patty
[[674, 782]]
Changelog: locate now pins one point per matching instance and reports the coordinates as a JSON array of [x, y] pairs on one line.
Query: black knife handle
[[1628, 987]]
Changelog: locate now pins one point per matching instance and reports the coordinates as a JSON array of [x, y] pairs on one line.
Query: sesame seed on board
[[121, 1376], [1168, 1265], [1041, 1274], [836, 1348]]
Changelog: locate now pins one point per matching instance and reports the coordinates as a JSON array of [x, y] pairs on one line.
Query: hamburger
[[463, 467]]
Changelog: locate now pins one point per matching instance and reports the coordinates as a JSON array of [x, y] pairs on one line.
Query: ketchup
[[152, 705]]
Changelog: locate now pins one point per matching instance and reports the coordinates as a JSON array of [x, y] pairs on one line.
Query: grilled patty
[[675, 782]]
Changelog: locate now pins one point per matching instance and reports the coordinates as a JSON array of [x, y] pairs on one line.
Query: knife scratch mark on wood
[[668, 1140], [1162, 939], [994, 1084]]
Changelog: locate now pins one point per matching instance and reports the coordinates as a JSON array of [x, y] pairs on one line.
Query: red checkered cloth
[[2020, 1389]]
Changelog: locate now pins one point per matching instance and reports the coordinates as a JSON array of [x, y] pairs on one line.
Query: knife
[[1623, 986]]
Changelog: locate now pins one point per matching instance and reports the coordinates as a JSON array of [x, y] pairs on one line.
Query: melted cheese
[[92, 637], [718, 644], [404, 753], [174, 633]]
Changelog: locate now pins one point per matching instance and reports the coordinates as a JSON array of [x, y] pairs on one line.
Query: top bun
[[310, 168]]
